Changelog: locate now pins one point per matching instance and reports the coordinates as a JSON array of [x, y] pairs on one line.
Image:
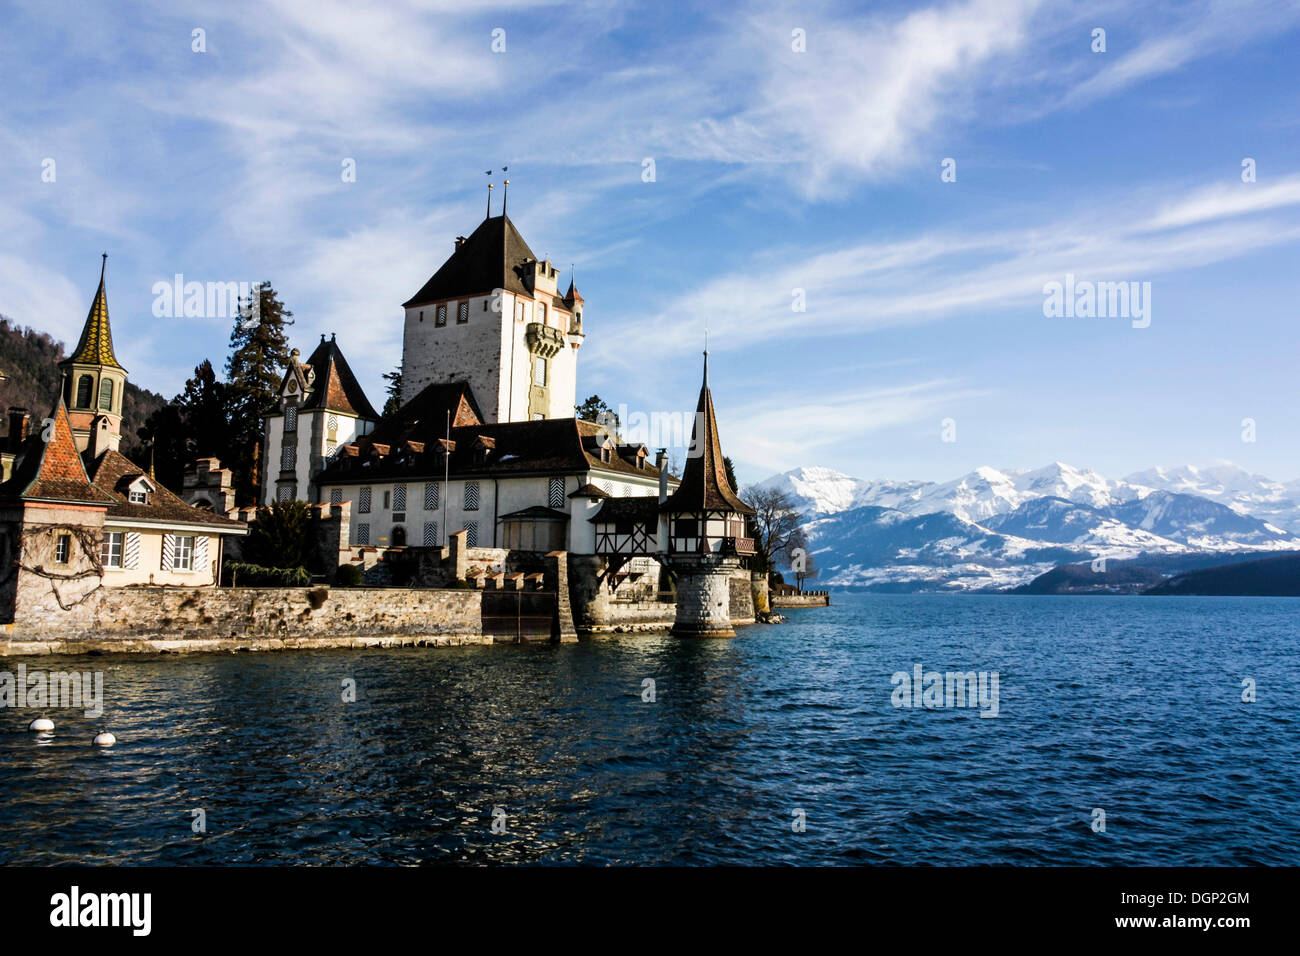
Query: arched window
[[106, 393], [85, 391]]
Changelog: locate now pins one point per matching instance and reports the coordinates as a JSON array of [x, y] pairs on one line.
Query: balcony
[[741, 547]]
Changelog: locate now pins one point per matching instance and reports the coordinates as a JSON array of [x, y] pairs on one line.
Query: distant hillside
[[1267, 577], [30, 360], [1081, 579]]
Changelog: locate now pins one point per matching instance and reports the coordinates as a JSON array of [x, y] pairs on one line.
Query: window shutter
[[555, 493], [168, 551], [431, 534], [431, 496], [399, 497], [200, 553], [131, 556]]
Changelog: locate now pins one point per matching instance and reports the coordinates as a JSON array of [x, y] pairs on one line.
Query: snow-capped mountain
[[992, 527], [1254, 495]]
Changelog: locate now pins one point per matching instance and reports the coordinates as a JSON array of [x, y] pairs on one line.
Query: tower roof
[[491, 258], [573, 295], [52, 470], [96, 344], [334, 387], [704, 484]]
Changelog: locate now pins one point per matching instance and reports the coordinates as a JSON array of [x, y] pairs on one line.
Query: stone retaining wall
[[151, 619], [816, 599]]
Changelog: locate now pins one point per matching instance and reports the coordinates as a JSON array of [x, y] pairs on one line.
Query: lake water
[[1128, 705]]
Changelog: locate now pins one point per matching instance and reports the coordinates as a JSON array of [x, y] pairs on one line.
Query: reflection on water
[[1131, 705]]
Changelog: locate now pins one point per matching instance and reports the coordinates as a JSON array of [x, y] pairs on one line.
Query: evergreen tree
[[259, 346], [394, 389], [259, 352]]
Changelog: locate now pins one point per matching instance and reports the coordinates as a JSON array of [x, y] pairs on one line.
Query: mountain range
[[1001, 528]]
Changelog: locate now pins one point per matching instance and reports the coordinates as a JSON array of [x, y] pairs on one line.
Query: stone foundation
[[153, 619], [704, 595]]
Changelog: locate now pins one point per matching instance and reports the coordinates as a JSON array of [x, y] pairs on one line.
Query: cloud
[[774, 433], [940, 274]]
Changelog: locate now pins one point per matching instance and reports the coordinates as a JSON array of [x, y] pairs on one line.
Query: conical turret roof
[[96, 344], [704, 484]]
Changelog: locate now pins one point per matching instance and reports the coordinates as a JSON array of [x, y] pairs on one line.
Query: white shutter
[[168, 551], [131, 554], [201, 553]]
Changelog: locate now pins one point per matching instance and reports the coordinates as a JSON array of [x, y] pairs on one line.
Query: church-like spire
[[704, 485], [96, 344]]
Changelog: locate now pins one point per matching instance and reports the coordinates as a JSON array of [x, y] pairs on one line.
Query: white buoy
[[105, 739], [41, 725]]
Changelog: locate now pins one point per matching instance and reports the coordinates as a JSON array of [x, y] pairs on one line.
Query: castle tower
[[94, 381], [322, 407], [705, 537], [492, 316]]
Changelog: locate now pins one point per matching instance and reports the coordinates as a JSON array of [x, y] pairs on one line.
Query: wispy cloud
[[935, 275]]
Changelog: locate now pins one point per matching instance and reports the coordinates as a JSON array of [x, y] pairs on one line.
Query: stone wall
[[640, 615], [807, 599], [742, 597], [201, 619]]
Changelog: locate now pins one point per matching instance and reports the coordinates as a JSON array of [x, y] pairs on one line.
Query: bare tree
[[775, 526], [805, 568]]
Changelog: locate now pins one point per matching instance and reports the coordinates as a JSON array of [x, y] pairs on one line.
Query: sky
[[860, 204]]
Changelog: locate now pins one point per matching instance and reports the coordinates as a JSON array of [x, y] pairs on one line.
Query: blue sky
[[775, 170]]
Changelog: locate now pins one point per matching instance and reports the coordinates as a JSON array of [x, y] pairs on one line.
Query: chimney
[[661, 462], [460, 241], [18, 422]]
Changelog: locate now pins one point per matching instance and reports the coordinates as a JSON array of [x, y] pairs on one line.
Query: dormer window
[[138, 491], [605, 455]]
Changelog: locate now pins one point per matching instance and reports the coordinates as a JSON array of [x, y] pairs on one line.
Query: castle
[[486, 444], [483, 477]]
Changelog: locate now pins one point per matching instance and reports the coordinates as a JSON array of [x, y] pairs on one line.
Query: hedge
[[256, 576]]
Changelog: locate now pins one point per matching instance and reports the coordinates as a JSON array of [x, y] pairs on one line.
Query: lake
[[783, 746]]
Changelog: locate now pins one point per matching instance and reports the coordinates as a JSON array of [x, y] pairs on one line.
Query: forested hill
[[30, 363]]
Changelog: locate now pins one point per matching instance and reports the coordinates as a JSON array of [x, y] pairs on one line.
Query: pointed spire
[[152, 476], [704, 485], [95, 347]]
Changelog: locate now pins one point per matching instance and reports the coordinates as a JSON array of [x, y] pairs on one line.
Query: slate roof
[[95, 347], [491, 258], [113, 473], [549, 446], [424, 418], [704, 484], [335, 388], [642, 509], [53, 471]]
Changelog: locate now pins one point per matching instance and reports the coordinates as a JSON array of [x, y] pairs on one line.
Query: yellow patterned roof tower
[[96, 344]]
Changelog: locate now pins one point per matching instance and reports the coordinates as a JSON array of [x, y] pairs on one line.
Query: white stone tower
[[492, 316]]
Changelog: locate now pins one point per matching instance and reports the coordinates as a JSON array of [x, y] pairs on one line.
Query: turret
[[94, 380]]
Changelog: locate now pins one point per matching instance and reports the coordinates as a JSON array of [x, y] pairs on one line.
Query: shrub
[[349, 576], [281, 537], [257, 576]]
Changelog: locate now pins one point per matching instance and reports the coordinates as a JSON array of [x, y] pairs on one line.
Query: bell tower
[[94, 380]]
